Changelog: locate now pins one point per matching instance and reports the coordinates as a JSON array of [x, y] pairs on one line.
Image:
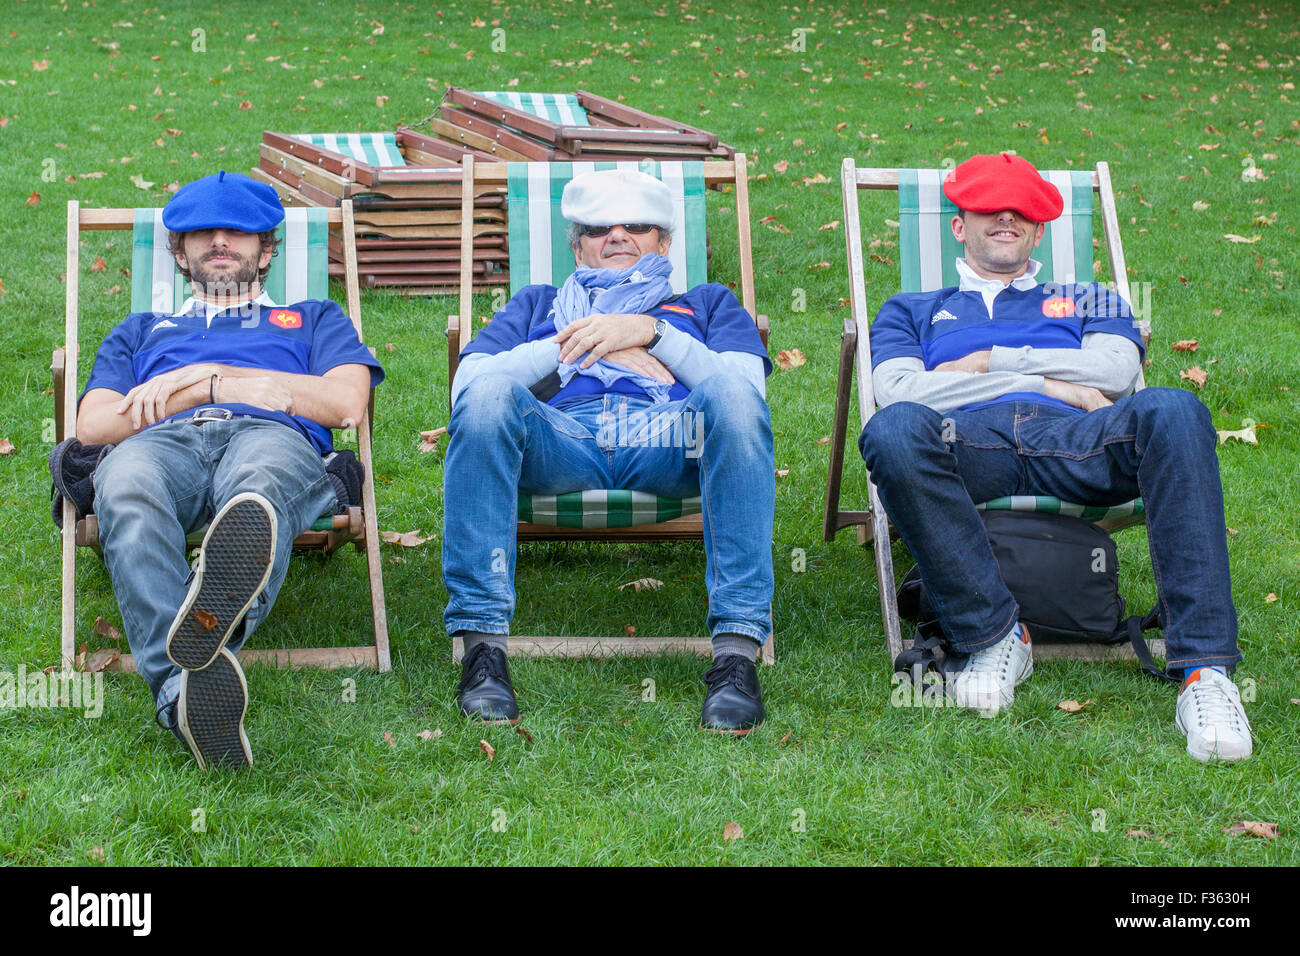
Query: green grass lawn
[[1182, 99]]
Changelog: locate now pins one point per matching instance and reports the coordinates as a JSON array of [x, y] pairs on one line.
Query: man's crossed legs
[[260, 484], [1157, 444]]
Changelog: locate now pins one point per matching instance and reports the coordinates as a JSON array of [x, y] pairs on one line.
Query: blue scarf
[[602, 291]]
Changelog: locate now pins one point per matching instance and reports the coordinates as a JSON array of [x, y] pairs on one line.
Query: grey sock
[[474, 638], [735, 644]]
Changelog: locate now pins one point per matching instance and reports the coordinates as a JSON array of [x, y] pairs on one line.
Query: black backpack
[[1062, 571]]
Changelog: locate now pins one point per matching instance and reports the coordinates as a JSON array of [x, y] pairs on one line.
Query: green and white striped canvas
[[1045, 504], [373, 149], [563, 109], [539, 249], [603, 509], [300, 269], [929, 252]]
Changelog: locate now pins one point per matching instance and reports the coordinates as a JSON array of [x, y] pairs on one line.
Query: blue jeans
[[1157, 444], [504, 440], [170, 479]]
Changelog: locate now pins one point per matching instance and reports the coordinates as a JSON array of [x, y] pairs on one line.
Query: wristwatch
[[661, 326]]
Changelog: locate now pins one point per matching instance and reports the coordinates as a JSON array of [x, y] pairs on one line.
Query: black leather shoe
[[734, 703], [485, 690]]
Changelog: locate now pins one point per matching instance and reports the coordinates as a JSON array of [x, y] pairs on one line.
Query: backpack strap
[[1133, 628]]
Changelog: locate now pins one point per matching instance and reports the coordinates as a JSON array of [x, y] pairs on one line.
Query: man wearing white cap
[[576, 388], [1007, 386], [217, 413]]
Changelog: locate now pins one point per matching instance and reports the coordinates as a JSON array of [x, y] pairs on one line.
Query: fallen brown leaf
[[1233, 237], [732, 831], [40, 66], [388, 738], [95, 854], [1255, 828], [1270, 598], [782, 472], [390, 347], [380, 101], [781, 165], [99, 265], [1200, 206], [6, 446], [814, 179], [642, 584], [1072, 706], [523, 732], [430, 734], [1196, 375], [824, 440], [139, 182], [787, 359], [407, 539], [1246, 435], [34, 199], [840, 126], [488, 749], [786, 739], [629, 630], [431, 437], [101, 659], [245, 105], [1143, 834], [104, 629], [1184, 345], [830, 226]]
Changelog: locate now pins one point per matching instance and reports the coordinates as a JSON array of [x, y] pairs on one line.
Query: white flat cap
[[611, 197]]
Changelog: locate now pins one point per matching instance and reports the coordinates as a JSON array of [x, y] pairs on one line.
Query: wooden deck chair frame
[[686, 527], [855, 353], [358, 526]]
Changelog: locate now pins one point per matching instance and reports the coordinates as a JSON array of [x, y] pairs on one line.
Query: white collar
[[989, 288], [193, 306]]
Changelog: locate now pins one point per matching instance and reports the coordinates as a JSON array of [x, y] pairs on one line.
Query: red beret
[[993, 183]]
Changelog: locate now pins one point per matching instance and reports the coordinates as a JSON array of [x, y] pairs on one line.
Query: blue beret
[[224, 201]]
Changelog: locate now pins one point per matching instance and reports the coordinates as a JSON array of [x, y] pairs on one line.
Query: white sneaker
[[1212, 719], [988, 681]]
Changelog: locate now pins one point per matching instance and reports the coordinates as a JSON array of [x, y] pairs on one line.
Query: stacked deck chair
[[299, 271], [405, 189], [927, 253]]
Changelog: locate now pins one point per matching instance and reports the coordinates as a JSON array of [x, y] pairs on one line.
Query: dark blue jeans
[[1158, 444]]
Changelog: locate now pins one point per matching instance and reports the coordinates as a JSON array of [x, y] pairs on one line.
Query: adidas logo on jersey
[[941, 315], [164, 324]]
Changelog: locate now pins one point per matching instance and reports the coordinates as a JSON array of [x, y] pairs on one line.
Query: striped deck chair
[[927, 253], [373, 149], [563, 109], [298, 271], [539, 252]]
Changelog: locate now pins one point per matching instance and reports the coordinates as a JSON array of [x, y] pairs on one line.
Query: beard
[[239, 284]]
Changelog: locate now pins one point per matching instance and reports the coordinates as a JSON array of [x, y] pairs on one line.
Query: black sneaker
[[734, 703], [233, 567], [210, 713], [485, 690]]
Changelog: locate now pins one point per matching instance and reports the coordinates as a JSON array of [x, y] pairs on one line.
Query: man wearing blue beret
[[1007, 386], [219, 414], [584, 387]]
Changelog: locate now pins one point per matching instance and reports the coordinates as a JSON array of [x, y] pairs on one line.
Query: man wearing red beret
[[1005, 386]]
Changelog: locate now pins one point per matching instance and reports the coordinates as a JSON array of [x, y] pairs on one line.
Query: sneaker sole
[[1206, 756], [210, 714], [232, 570]]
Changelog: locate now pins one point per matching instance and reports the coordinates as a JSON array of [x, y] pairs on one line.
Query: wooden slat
[[68, 399], [501, 144], [469, 170], [831, 523], [327, 658], [500, 113], [630, 116], [686, 528], [745, 242]]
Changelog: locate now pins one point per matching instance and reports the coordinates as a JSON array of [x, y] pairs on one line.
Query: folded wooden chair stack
[[551, 127], [405, 189]]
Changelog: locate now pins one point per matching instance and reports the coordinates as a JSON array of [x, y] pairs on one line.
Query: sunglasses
[[635, 228]]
